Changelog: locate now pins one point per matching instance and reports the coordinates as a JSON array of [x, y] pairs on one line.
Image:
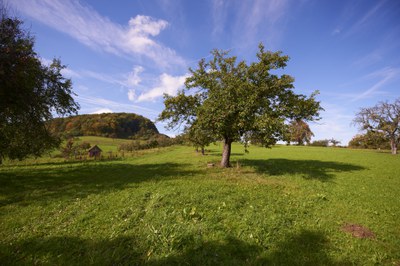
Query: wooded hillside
[[113, 125]]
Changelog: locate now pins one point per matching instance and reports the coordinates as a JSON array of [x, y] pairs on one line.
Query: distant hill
[[112, 125]]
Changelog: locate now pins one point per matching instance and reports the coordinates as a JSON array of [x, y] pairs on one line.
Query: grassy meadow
[[279, 206]]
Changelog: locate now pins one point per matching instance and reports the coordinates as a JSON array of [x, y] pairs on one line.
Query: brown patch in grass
[[358, 231]]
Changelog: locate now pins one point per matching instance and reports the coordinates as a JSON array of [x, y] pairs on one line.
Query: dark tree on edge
[[30, 93]]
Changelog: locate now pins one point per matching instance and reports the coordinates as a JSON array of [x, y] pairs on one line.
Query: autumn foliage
[[112, 125]]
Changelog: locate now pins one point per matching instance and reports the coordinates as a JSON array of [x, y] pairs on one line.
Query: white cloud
[[69, 73], [144, 25], [45, 61], [90, 28], [102, 111], [133, 77], [167, 84], [131, 94], [134, 80]]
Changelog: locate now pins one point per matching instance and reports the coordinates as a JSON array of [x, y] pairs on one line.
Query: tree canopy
[[370, 140], [232, 100], [299, 132], [382, 118], [112, 125], [30, 93]]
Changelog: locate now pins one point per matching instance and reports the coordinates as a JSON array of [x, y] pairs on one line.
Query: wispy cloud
[[219, 15], [370, 85], [252, 18], [69, 73], [364, 20], [167, 84], [90, 28], [66, 72], [94, 104], [132, 94], [336, 31], [334, 124], [369, 59], [132, 81], [382, 77], [126, 80], [387, 44], [263, 18], [107, 78], [354, 19], [134, 77]]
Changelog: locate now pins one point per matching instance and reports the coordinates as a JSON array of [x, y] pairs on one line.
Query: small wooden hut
[[94, 151]]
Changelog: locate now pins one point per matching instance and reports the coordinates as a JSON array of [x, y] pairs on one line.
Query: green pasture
[[106, 144], [279, 206]]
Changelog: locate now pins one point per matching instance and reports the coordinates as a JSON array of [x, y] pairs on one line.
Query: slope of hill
[[113, 125]]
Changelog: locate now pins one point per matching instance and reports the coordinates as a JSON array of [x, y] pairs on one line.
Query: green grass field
[[279, 206]]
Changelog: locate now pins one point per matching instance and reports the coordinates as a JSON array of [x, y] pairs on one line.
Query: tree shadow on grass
[[64, 250], [304, 248], [79, 180], [310, 169]]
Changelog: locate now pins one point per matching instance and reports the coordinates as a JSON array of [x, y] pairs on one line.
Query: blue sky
[[123, 55]]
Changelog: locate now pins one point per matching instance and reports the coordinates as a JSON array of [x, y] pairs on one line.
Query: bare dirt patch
[[358, 231]]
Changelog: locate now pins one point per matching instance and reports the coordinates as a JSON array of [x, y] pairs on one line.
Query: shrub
[[320, 143]]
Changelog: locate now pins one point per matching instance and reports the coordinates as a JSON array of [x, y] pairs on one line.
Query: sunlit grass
[[106, 144], [282, 206]]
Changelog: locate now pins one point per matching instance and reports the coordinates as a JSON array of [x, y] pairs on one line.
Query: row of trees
[[380, 125], [155, 141], [325, 142], [370, 140]]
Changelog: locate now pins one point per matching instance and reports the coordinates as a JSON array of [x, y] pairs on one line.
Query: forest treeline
[[112, 125]]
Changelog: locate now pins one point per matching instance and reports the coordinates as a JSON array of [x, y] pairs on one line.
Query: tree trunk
[[393, 145], [226, 153], [202, 151]]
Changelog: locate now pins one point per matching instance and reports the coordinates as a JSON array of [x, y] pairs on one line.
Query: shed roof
[[95, 147]]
